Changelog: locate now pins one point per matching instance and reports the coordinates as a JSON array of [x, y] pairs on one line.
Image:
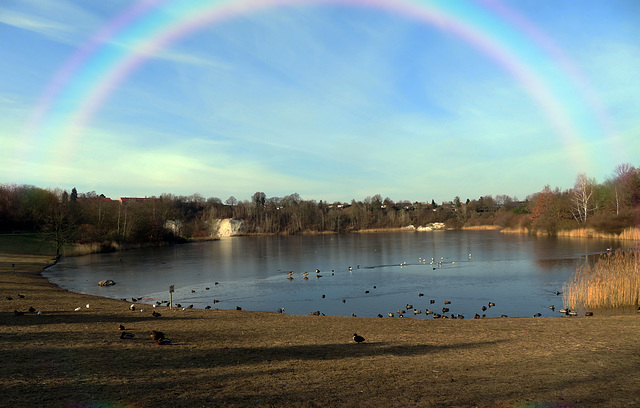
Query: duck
[[447, 302], [121, 327], [207, 307], [156, 335], [537, 315], [32, 309], [357, 338], [126, 335], [156, 314], [588, 313], [132, 307], [164, 342], [77, 309], [445, 309], [491, 304]]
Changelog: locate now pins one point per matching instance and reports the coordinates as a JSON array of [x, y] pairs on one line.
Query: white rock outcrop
[[228, 227]]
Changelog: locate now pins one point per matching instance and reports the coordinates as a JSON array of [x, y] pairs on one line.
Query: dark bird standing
[[357, 338]]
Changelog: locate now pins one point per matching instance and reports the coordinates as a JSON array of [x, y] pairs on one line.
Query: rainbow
[[78, 90]]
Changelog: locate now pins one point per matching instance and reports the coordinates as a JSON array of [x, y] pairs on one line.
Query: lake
[[361, 274]]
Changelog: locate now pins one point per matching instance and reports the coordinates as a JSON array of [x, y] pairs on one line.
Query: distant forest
[[76, 218]]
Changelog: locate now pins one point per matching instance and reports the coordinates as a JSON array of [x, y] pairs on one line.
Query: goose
[[357, 338], [127, 336]]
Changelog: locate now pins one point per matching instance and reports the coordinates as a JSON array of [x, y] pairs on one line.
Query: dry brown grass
[[614, 281], [482, 227], [247, 359]]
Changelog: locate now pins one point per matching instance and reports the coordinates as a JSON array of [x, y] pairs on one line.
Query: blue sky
[[331, 101]]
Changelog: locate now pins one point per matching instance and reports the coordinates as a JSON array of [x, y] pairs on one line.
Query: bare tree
[[582, 198]]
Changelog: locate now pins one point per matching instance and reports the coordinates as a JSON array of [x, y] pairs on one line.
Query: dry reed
[[614, 281], [482, 227]]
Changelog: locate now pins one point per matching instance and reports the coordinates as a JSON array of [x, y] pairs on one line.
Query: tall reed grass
[[91, 248], [613, 281]]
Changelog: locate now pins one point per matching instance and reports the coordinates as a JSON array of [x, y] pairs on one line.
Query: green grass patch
[[27, 243]]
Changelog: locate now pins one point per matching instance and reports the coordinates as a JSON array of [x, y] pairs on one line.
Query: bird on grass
[[126, 335], [121, 327], [156, 335], [357, 338], [156, 314]]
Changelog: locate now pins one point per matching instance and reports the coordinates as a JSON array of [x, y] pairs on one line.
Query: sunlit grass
[[614, 281]]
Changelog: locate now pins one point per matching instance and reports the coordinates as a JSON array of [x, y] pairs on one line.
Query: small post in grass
[[170, 296]]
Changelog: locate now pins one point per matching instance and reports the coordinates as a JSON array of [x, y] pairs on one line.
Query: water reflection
[[521, 274]]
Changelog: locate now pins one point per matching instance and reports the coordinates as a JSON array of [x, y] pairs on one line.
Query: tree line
[[72, 217]]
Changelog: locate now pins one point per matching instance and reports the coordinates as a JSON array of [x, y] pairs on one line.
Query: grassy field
[[223, 358]]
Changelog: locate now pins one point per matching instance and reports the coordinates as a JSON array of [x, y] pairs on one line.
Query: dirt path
[[74, 358]]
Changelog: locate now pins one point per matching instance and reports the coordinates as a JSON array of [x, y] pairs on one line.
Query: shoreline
[[243, 358]]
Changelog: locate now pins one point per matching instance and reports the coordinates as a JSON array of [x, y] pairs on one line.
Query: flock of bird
[[409, 308]]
